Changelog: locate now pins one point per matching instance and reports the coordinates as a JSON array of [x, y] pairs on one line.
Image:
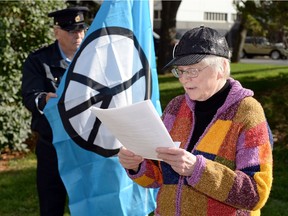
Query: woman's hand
[[180, 160], [129, 160]]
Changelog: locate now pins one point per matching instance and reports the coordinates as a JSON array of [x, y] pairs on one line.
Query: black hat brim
[[185, 60]]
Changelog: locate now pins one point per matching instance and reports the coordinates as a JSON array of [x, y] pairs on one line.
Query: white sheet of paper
[[138, 127]]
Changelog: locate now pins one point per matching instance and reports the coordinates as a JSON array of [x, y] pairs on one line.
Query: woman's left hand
[[180, 160]]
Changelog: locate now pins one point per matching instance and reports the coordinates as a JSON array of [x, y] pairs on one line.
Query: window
[[215, 16], [157, 14], [235, 17]]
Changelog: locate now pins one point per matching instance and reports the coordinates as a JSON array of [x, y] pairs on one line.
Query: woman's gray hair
[[219, 63]]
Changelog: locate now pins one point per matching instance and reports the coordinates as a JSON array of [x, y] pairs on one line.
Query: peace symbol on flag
[[109, 70]]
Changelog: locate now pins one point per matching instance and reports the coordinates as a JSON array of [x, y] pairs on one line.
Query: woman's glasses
[[190, 72]]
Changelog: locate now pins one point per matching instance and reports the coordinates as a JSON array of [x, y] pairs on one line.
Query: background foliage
[[24, 27], [258, 18]]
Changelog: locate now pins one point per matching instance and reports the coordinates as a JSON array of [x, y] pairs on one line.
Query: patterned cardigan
[[233, 171]]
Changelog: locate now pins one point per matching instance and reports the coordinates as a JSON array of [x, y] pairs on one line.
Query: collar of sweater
[[236, 93]]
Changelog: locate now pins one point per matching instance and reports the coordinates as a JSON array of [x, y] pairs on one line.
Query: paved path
[[264, 60]]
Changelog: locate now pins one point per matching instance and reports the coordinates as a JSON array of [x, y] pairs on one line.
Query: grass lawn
[[270, 83]]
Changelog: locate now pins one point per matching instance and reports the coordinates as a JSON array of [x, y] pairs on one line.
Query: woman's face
[[208, 82]]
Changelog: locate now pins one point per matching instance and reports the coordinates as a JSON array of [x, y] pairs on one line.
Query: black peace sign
[[85, 87]]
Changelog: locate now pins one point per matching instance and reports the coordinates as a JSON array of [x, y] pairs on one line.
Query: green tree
[[248, 12], [24, 27], [259, 18], [279, 24]]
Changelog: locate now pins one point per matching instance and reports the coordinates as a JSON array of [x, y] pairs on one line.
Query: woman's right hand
[[129, 160]]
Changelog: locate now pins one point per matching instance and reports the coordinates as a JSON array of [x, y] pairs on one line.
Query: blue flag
[[114, 66]]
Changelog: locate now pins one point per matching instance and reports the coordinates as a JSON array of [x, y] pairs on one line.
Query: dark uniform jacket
[[42, 72]]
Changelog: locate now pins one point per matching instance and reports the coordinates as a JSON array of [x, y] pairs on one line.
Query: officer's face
[[69, 40]]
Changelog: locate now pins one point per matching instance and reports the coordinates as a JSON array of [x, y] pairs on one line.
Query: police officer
[[42, 72]]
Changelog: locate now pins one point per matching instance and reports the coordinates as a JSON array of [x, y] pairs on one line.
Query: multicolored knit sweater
[[233, 172]]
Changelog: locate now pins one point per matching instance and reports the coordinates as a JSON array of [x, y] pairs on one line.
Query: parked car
[[260, 46]]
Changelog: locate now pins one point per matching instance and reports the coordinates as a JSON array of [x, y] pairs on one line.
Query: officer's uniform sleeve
[[34, 84]]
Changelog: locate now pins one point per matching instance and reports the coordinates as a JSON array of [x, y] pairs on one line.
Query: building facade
[[218, 14]]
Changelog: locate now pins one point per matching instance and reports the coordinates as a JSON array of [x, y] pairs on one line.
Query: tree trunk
[[167, 33], [238, 38]]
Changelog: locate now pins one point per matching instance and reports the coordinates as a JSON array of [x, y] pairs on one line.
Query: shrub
[[24, 27]]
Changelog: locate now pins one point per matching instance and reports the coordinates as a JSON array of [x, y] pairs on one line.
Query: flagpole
[[151, 6], [149, 78]]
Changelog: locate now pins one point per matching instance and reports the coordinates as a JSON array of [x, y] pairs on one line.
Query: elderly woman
[[224, 163]]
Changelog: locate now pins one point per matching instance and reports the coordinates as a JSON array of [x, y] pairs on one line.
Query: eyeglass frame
[[190, 72]]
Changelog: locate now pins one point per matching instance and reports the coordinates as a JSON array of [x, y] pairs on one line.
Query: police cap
[[71, 18]]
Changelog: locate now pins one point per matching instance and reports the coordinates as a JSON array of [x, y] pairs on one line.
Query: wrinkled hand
[[180, 160], [129, 160], [50, 95]]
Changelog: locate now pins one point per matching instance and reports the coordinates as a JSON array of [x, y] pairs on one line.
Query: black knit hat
[[70, 18], [196, 44]]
